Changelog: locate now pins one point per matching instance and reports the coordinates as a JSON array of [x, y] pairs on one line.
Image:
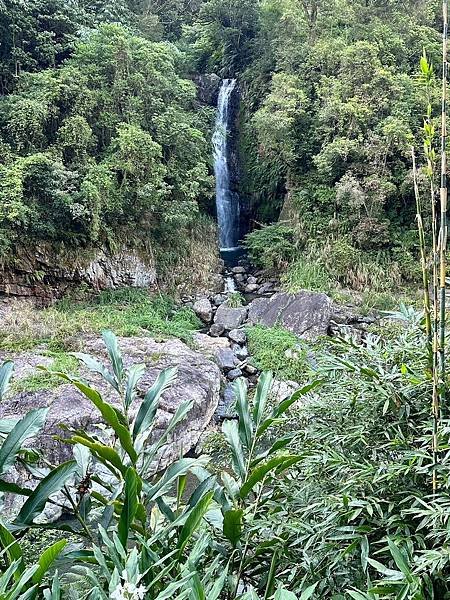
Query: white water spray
[[227, 201]]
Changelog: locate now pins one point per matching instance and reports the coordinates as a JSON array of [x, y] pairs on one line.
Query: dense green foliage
[[110, 140]]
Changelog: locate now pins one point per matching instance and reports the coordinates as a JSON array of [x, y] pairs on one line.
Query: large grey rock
[[238, 335], [210, 346], [198, 380], [204, 310], [208, 86], [307, 314], [231, 318], [226, 359]]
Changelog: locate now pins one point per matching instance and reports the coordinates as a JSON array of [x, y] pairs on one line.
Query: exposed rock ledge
[[46, 273]]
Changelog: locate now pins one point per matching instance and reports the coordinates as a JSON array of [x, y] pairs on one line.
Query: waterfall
[[227, 201]]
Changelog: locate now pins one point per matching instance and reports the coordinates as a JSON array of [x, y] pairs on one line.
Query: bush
[[271, 247]]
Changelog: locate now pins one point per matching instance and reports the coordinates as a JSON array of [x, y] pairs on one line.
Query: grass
[[235, 300], [40, 380], [306, 275], [276, 349], [128, 312]]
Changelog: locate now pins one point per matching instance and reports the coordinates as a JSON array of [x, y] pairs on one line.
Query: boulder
[[198, 380], [234, 374], [208, 86], [226, 359], [210, 346], [238, 336], [231, 318], [307, 314], [238, 270], [204, 310], [216, 330], [251, 280], [240, 351], [251, 288]]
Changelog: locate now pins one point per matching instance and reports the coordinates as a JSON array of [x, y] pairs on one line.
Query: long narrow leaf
[[243, 411], [130, 505], [148, 409], [26, 428], [48, 486], [6, 371], [47, 559]]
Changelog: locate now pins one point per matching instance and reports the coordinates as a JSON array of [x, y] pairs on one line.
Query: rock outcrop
[[307, 314], [45, 273], [198, 380]]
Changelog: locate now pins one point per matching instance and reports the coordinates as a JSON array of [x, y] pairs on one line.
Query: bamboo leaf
[[258, 474]]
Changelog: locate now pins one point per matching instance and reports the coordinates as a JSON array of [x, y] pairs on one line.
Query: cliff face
[[46, 272]]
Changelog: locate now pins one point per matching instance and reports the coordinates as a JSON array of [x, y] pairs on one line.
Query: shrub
[[271, 247]]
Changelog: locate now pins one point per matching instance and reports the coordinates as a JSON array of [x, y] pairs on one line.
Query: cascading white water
[[227, 201]]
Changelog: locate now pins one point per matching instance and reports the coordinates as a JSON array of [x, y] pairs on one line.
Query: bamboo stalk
[[440, 402], [423, 260]]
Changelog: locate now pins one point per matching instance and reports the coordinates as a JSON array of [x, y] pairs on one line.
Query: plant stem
[[423, 260]]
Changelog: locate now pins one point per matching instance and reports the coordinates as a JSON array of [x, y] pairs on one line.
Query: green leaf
[[399, 559], [115, 355], [130, 505], [105, 454], [262, 393], [47, 559], [13, 488], [307, 594], [168, 479], [111, 415], [232, 526], [258, 474], [243, 411], [284, 595], [51, 484], [6, 371], [149, 406], [231, 433], [26, 428], [95, 366], [135, 374], [193, 521], [12, 547], [288, 402]]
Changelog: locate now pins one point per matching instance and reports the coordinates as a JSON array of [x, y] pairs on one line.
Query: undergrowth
[[278, 350], [130, 312]]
